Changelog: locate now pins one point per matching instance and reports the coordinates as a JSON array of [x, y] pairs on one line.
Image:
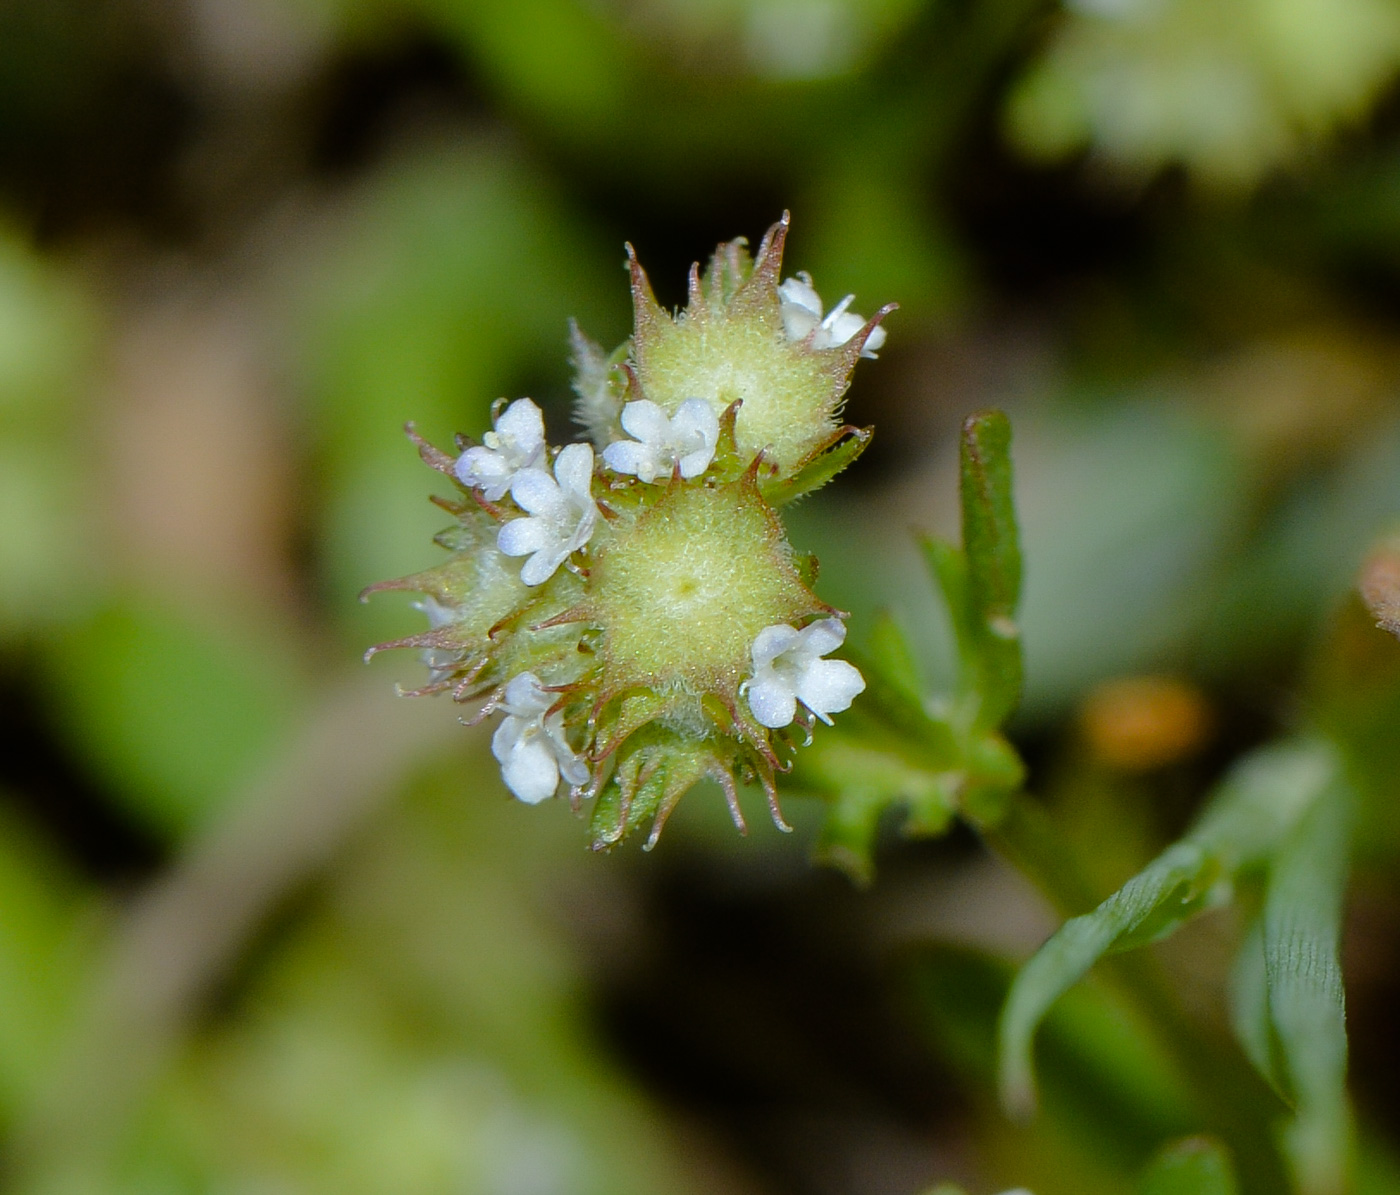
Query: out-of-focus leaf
[[1307, 1007], [1356, 691], [173, 709], [45, 341], [453, 278], [1196, 1166], [416, 1030], [947, 566], [1229, 88], [46, 568], [890, 654], [1111, 1096], [45, 338], [42, 956], [864, 774], [1257, 807], [1249, 1008], [559, 58]]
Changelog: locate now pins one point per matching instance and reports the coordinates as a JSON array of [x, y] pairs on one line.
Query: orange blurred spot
[[1138, 723]]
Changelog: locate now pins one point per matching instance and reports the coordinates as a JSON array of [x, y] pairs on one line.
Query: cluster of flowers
[[561, 516], [660, 628]]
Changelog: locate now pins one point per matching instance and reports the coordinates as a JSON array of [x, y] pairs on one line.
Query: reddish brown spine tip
[[769, 263], [731, 798], [433, 457]]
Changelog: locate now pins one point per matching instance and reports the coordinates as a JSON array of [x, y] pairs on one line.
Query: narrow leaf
[[1076, 947], [948, 567], [992, 545], [815, 472], [889, 653], [1249, 1009], [1256, 808], [1307, 1006], [989, 514], [1195, 1166]]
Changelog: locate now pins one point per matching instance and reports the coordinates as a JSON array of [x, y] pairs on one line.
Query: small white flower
[[788, 668], [563, 514], [802, 317], [438, 615], [439, 663], [517, 443], [687, 438], [530, 744]]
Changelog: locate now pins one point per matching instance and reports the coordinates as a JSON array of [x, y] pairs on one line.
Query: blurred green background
[[267, 930]]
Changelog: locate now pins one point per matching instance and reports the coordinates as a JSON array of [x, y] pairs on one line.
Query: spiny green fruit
[[661, 628]]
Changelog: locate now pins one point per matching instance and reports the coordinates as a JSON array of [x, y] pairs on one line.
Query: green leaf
[[1195, 1166], [981, 584], [1307, 1007], [1256, 808], [174, 707], [815, 472], [1249, 1009], [864, 774], [989, 514], [948, 567], [1112, 1094], [890, 654]]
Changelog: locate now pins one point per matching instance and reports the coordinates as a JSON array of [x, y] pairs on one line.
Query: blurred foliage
[[1229, 89], [1163, 234]]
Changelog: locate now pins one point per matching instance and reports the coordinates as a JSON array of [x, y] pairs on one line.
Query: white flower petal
[[574, 770], [770, 643], [772, 702], [829, 686], [823, 637], [800, 293], [844, 327], [696, 417], [628, 456], [543, 565], [520, 537], [694, 434], [695, 463], [438, 614], [583, 532], [798, 322], [521, 429], [574, 470], [802, 317], [528, 767], [484, 469], [644, 420], [571, 766], [525, 695], [536, 491]]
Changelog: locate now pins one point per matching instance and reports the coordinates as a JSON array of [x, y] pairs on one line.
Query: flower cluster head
[[636, 613]]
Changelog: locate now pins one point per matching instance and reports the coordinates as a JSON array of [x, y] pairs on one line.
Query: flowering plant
[[661, 628]]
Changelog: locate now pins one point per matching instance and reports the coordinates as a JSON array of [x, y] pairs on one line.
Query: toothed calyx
[[636, 614]]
